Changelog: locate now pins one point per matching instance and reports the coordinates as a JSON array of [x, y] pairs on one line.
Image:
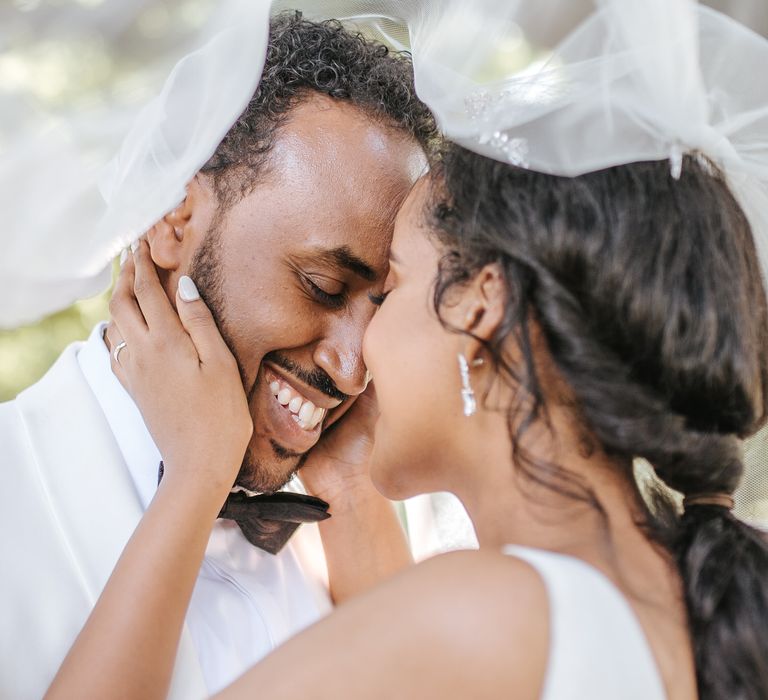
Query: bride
[[536, 334]]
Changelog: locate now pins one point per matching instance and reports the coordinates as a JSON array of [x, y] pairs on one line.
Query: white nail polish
[[134, 246], [187, 289], [123, 256]]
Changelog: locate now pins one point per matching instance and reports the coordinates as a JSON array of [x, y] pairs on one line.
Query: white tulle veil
[[635, 80], [86, 165]]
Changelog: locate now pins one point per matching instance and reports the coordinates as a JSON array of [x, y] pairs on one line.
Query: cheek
[[410, 356], [265, 315], [397, 348]]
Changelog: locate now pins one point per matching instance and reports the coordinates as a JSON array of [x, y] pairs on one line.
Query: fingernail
[[187, 289], [123, 256], [134, 246]]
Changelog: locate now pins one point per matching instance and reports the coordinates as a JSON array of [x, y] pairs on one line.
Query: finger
[[152, 299], [200, 324], [113, 335], [123, 307], [118, 354]]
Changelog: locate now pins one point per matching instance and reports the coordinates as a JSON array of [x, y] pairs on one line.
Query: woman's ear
[[168, 239], [483, 303]]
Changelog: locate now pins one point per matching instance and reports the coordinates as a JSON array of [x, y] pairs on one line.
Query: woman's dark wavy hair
[[307, 58], [648, 293]]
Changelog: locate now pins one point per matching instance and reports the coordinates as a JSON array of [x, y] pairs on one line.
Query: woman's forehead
[[412, 244]]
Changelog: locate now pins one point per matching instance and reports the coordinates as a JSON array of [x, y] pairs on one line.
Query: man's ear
[[168, 239], [483, 303]]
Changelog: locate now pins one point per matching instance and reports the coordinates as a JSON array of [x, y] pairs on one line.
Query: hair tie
[[723, 500]]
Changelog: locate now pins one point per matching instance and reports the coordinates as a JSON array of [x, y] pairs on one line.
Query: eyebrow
[[343, 257]]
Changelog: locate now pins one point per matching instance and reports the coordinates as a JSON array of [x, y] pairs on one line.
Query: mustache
[[316, 378]]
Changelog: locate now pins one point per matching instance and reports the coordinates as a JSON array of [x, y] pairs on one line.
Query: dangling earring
[[467, 393]]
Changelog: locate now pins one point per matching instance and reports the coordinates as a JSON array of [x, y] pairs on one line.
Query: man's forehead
[[333, 139], [318, 119], [332, 189], [343, 232]]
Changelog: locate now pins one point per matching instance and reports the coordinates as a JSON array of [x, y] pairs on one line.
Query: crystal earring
[[467, 394]]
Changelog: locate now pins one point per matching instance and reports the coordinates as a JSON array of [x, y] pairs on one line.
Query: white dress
[[598, 649]]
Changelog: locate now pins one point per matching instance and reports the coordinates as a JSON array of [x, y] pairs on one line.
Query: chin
[[390, 478], [265, 475]]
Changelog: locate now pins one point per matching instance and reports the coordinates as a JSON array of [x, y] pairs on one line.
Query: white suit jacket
[[67, 508]]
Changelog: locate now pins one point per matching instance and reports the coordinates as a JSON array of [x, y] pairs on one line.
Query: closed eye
[[378, 299], [333, 301]]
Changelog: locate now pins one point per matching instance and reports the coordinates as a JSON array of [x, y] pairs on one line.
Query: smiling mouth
[[305, 414]]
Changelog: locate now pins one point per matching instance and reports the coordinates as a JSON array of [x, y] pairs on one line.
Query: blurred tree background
[[26, 353]]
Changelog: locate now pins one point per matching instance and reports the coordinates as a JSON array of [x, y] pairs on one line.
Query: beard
[[257, 472]]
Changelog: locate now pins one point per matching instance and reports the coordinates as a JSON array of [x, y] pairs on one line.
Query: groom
[[286, 232]]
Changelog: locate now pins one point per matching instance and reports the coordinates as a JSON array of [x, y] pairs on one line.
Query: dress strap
[[597, 647]]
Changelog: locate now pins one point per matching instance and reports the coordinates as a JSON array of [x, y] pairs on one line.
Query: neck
[[507, 506], [513, 503]]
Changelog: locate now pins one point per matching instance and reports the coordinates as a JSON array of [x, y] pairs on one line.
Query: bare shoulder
[[499, 600], [479, 578], [466, 624]]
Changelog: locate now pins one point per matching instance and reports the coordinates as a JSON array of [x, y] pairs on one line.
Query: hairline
[[236, 186]]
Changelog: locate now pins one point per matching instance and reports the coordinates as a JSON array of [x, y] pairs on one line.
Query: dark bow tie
[[269, 520]]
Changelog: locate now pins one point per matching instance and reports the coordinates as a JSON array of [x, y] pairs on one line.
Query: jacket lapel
[[88, 486]]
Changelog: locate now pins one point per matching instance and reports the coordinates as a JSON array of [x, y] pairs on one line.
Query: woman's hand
[[181, 375]]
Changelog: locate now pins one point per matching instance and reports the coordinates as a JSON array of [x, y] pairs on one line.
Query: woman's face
[[414, 364]]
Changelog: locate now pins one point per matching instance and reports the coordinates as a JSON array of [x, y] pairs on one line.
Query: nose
[[340, 354]]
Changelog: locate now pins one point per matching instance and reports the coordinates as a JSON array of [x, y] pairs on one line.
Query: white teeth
[[306, 412], [303, 411]]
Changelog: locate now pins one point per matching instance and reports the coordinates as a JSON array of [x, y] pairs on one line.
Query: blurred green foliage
[[26, 353]]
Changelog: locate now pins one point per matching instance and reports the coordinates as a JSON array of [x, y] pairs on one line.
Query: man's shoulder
[[55, 393], [37, 404], [8, 410], [43, 410], [11, 432], [64, 369]]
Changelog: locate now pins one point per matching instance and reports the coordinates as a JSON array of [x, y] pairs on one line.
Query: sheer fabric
[[86, 169], [101, 130]]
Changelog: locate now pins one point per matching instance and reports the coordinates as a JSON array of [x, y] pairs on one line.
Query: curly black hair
[[303, 58], [649, 295]]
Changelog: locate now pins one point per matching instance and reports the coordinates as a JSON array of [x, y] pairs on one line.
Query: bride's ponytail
[[723, 561], [724, 566]]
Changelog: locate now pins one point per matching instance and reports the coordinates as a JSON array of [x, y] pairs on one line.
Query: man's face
[[288, 269]]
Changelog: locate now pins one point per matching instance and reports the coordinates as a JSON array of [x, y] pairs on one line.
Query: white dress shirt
[[245, 601]]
